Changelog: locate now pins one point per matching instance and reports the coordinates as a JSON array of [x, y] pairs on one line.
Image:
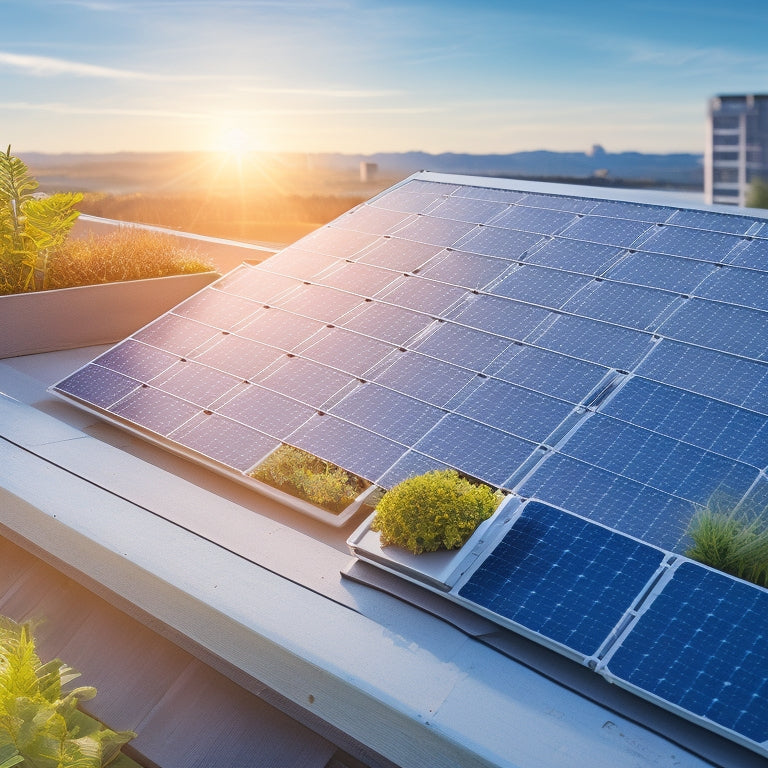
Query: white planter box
[[45, 321]]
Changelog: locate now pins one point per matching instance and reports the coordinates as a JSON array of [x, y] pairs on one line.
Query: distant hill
[[338, 174]]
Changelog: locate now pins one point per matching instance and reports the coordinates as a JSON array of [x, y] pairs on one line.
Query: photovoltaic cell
[[720, 326], [562, 577], [538, 285], [348, 446], [346, 350], [340, 243], [693, 243], [482, 452], [716, 222], [410, 465], [434, 231], [297, 263], [549, 372], [267, 411], [519, 411], [541, 221], [216, 308], [227, 442], [155, 410], [258, 285], [710, 424], [469, 270], [651, 213], [306, 381], [670, 273], [425, 379], [239, 357], [701, 646], [556, 202], [386, 322], [374, 221], [511, 319], [319, 302], [178, 335], [604, 497], [462, 346], [99, 386], [467, 209], [707, 372], [399, 255], [501, 243], [593, 341], [280, 329], [629, 305], [362, 279], [137, 360], [483, 193], [607, 231], [389, 413], [744, 287], [423, 295], [198, 384], [661, 462], [753, 254], [588, 258]]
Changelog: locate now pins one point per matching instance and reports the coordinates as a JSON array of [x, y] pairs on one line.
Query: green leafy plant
[[30, 226], [731, 540], [125, 254], [757, 196], [40, 724], [439, 509], [310, 478]]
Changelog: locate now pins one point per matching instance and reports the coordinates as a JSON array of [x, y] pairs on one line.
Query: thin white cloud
[[46, 66], [333, 93], [67, 109]]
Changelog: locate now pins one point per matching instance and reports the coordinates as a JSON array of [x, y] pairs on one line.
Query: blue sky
[[360, 76]]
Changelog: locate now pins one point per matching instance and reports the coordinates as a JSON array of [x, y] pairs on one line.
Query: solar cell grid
[[484, 193], [155, 410], [340, 243], [175, 334], [409, 465], [267, 411], [402, 199], [561, 253], [239, 357], [100, 386], [747, 288], [556, 202], [374, 221], [389, 413], [137, 360], [692, 243], [629, 305], [348, 446], [513, 320], [651, 213], [704, 422], [252, 283], [197, 383], [752, 254], [423, 295], [539, 220], [519, 411], [298, 263], [562, 577], [701, 645], [319, 302], [467, 209], [399, 255], [462, 346], [218, 309], [607, 231], [225, 441], [671, 273], [498, 242], [723, 327], [433, 231], [386, 322], [715, 222], [280, 329], [346, 350], [306, 381], [539, 285], [707, 372], [468, 270], [483, 452], [362, 279]]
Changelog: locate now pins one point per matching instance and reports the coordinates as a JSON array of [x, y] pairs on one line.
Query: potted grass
[[58, 293]]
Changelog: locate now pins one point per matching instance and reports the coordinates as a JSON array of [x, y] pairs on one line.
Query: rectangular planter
[[46, 321]]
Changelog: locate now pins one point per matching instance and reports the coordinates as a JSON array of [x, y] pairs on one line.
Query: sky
[[358, 76]]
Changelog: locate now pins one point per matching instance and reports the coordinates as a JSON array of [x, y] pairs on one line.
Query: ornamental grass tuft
[[437, 510]]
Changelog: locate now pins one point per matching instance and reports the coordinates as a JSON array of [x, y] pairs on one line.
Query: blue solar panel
[[482, 452], [434, 231], [399, 255], [513, 320], [280, 329], [467, 209], [155, 410], [541, 221], [340, 243], [298, 263], [562, 577], [716, 222], [306, 381], [629, 305], [348, 446], [259, 285], [413, 198], [386, 322], [658, 461], [319, 302], [175, 334], [362, 279], [425, 379], [599, 229], [753, 254], [216, 308], [516, 410], [137, 360], [559, 203], [469, 270], [745, 287], [715, 374], [410, 465], [720, 326], [539, 285], [710, 424], [99, 386], [374, 221], [693, 243], [618, 502], [199, 384], [269, 412], [483, 193], [423, 295], [651, 213], [225, 441], [702, 645], [671, 273], [594, 341], [346, 350], [385, 412], [240, 357], [589, 258], [549, 372], [498, 242], [462, 346]]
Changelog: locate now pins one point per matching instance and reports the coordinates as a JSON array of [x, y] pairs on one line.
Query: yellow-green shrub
[[436, 510]]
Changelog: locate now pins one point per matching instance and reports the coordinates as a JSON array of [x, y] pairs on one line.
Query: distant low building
[[368, 171], [737, 147]]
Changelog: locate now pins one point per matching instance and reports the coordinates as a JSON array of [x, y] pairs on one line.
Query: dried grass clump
[[126, 254]]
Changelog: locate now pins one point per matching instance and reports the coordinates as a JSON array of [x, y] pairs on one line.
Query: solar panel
[[562, 578], [672, 273], [700, 647]]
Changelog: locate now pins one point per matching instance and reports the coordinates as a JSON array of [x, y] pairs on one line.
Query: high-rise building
[[737, 147]]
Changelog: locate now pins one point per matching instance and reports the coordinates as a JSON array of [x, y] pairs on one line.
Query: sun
[[234, 142]]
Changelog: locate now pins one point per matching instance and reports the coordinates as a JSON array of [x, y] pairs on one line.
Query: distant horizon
[[366, 76]]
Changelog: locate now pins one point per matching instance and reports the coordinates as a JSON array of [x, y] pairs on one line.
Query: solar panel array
[[607, 358]]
